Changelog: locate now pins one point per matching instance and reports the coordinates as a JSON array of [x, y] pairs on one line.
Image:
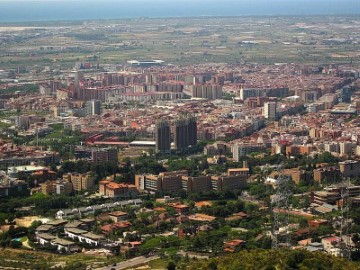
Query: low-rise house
[[201, 217], [57, 224], [74, 233], [233, 245], [236, 216], [181, 209], [65, 245], [329, 243], [312, 247], [44, 229], [108, 228], [198, 205], [104, 217], [159, 209], [44, 238], [84, 236], [73, 224], [305, 242], [118, 216], [317, 222], [92, 239], [303, 232]]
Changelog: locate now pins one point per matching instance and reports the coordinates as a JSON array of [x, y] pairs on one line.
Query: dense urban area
[[200, 143]]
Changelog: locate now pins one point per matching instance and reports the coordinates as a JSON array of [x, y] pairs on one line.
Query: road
[[130, 263]]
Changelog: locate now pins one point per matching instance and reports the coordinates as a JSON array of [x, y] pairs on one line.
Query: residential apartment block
[[350, 168], [175, 181], [111, 189]]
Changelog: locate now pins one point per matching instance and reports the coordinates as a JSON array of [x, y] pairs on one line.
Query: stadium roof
[[145, 62]]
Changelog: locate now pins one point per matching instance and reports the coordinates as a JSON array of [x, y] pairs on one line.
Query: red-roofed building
[[330, 242], [160, 209], [180, 208], [317, 222], [44, 175], [118, 216], [203, 204], [108, 228], [112, 189], [233, 245]]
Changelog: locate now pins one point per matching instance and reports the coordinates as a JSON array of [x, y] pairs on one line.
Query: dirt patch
[[27, 221]]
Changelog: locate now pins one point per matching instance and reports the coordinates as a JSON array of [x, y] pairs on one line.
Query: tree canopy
[[275, 259]]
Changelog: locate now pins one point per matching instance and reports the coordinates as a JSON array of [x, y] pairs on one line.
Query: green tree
[[171, 266]]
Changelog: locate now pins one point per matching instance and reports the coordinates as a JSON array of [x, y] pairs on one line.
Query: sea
[[15, 11]]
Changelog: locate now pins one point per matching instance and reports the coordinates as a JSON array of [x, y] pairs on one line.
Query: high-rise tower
[[192, 131], [93, 107], [162, 134], [185, 133], [181, 134], [270, 110]]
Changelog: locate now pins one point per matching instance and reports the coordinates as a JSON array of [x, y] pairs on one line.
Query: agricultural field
[[310, 40]]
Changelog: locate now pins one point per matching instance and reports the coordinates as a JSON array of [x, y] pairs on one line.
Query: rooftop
[[75, 231], [46, 236], [93, 236], [201, 217], [145, 62], [118, 214], [62, 242]]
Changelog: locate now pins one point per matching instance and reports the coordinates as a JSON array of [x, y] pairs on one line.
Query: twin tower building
[[184, 130]]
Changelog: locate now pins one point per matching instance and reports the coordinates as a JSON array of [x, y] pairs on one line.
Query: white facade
[[83, 236], [332, 147], [269, 110], [329, 243], [357, 150], [346, 148], [44, 239]]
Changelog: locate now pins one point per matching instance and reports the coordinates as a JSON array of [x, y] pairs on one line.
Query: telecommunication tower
[[281, 212], [345, 222]]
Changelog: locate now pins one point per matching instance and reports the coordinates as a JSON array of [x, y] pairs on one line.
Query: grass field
[[158, 264]]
